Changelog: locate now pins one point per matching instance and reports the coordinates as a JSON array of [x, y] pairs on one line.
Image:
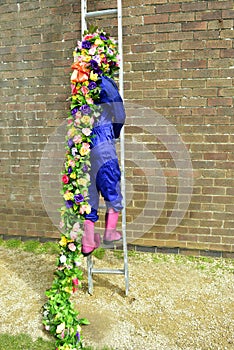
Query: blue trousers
[[105, 178]]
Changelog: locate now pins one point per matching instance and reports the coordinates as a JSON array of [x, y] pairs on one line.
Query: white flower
[[63, 259]]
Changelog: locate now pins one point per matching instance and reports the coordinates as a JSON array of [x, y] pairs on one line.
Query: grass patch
[[31, 246], [99, 253], [25, 342], [13, 243]]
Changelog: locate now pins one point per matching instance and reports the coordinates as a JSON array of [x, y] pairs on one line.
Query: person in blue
[[105, 172]]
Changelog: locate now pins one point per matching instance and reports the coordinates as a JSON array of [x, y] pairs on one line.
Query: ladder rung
[[101, 13], [107, 271]]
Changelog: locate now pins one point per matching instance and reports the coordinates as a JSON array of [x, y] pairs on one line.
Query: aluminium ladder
[[90, 265]]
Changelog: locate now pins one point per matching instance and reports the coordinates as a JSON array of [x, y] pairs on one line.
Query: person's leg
[[90, 240], [108, 182]]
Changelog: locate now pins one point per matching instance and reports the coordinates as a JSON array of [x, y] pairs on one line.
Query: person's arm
[[117, 105]]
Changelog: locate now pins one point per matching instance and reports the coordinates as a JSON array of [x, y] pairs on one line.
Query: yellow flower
[[98, 42], [93, 76], [63, 241], [85, 119], [68, 196], [82, 182], [73, 175], [84, 151], [88, 209], [68, 290], [60, 327], [106, 67], [87, 58]]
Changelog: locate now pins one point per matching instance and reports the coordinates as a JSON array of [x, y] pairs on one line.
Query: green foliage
[[99, 253], [13, 243], [31, 246]]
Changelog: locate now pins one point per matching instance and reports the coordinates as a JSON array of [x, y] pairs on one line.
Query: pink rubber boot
[[90, 240], [111, 235]]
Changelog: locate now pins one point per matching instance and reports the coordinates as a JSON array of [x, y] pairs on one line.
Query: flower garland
[[94, 56]]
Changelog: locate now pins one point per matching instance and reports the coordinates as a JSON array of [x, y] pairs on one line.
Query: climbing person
[[96, 57]]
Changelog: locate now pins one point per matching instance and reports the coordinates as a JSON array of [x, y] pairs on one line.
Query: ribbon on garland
[[94, 56]]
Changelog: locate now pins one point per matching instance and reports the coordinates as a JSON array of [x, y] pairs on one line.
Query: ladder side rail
[[122, 146], [83, 16]]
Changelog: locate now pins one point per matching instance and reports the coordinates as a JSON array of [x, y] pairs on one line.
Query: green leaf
[[84, 321]]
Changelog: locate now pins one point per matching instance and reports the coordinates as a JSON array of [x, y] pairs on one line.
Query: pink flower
[[77, 122], [74, 89], [73, 235], [92, 50], [72, 247], [65, 179], [86, 145], [86, 131], [76, 227], [89, 100], [84, 90], [71, 163], [78, 115], [87, 37], [77, 139], [75, 281]]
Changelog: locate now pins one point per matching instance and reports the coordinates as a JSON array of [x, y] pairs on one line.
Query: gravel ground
[[173, 303]]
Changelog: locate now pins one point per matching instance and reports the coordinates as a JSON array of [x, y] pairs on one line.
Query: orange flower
[[80, 73]]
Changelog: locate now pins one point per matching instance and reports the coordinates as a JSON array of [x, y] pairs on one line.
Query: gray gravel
[[173, 303]]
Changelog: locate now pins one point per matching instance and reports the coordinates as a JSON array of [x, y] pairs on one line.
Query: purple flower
[[74, 111], [85, 109], [86, 44], [70, 143], [85, 168], [69, 204], [103, 37], [69, 170], [78, 198], [78, 336], [94, 64], [92, 85]]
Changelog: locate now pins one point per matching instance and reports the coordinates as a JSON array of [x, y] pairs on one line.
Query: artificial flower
[[78, 197], [82, 182], [84, 90], [76, 227], [63, 259], [63, 241], [75, 281], [85, 119], [65, 179], [84, 151], [93, 76], [86, 131], [72, 247], [68, 195]]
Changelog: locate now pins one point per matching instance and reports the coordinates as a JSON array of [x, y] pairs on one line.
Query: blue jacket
[[112, 118]]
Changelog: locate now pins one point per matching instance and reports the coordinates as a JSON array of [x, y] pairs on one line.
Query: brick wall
[[178, 63]]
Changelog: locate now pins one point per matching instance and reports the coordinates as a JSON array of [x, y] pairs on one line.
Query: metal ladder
[[90, 264]]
